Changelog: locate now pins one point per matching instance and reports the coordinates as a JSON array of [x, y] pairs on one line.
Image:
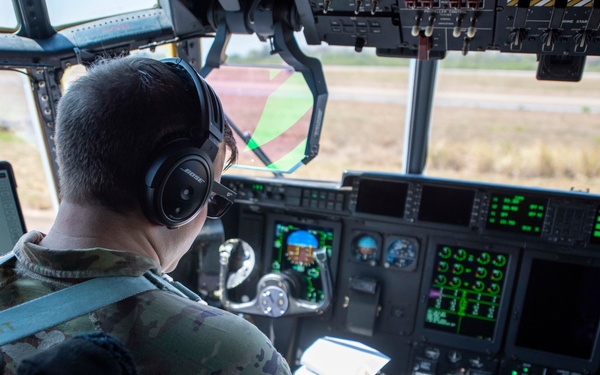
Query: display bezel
[[454, 220], [540, 357], [457, 340], [272, 219], [378, 197]]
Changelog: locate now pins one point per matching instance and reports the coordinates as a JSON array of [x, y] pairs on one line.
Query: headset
[[179, 179]]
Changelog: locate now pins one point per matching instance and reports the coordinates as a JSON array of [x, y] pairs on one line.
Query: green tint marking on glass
[[284, 108], [273, 73], [291, 159]]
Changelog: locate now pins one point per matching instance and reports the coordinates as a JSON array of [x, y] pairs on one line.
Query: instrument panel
[[443, 276], [560, 218]]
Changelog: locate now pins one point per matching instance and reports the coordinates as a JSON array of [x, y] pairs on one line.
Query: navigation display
[[446, 205], [561, 309], [379, 197], [516, 213], [466, 290], [294, 248]]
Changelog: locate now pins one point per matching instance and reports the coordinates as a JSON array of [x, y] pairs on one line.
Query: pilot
[[141, 145]]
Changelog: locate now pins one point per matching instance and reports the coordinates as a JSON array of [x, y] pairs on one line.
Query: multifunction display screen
[[294, 247], [516, 213], [446, 205], [466, 290], [378, 197], [561, 309]]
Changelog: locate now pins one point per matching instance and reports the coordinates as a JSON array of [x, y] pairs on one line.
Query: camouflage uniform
[[165, 333]]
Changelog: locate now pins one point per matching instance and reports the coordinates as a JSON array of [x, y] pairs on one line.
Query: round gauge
[[494, 288], [446, 252], [366, 248], [484, 258], [402, 253], [301, 247], [440, 280], [500, 261], [455, 282], [478, 286], [461, 254], [443, 266], [481, 272]]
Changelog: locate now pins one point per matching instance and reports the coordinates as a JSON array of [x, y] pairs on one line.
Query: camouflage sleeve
[[170, 335]]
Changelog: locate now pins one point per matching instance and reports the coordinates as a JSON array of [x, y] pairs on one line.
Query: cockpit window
[[71, 12], [271, 107], [492, 120], [500, 124], [8, 18]]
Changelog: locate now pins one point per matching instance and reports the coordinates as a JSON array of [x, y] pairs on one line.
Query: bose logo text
[[193, 175]]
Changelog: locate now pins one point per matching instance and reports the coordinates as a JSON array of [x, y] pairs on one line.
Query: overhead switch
[[357, 5]]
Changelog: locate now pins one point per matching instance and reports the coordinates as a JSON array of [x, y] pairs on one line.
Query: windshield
[[492, 120], [500, 124]]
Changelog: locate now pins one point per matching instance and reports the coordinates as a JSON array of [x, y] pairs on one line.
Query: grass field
[[484, 129]]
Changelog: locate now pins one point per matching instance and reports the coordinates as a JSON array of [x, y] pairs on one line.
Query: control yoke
[[274, 297]]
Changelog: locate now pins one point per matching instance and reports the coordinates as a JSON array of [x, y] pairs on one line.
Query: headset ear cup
[[177, 186], [179, 180]]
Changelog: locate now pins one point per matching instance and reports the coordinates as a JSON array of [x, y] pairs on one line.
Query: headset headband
[[210, 106]]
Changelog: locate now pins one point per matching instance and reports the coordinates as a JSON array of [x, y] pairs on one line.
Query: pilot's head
[[113, 121]]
